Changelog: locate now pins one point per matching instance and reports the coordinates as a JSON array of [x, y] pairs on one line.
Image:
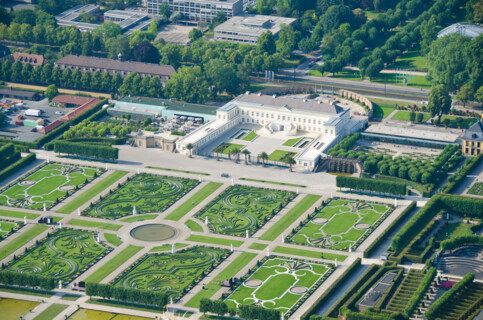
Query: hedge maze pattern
[[174, 274], [64, 255], [340, 224], [146, 192], [49, 184], [242, 208], [280, 283]]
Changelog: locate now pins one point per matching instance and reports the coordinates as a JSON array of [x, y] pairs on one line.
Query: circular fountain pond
[[153, 232]]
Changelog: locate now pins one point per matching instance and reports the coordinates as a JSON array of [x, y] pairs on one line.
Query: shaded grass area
[[192, 202], [411, 60], [309, 253], [275, 182], [92, 192], [113, 264], [112, 239], [194, 226], [50, 313], [405, 116], [382, 108], [18, 214], [293, 214], [21, 240], [94, 224], [213, 240], [139, 218], [214, 285], [176, 170], [454, 230], [257, 246], [167, 247]]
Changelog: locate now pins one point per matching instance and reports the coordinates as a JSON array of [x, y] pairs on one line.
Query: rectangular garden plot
[[47, 185], [141, 194], [65, 254], [340, 224], [241, 208], [7, 227], [280, 283], [172, 273]]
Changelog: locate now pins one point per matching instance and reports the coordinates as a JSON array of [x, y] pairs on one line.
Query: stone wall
[[359, 98]]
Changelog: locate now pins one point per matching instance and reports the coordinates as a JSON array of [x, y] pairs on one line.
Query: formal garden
[[279, 283], [64, 255], [7, 227], [142, 193], [241, 209], [341, 224], [47, 185], [476, 189], [171, 273]]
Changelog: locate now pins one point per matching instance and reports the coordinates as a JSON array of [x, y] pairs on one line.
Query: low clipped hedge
[[432, 312], [459, 241], [391, 187], [420, 291], [17, 165]]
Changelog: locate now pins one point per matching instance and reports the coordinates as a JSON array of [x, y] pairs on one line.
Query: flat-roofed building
[[247, 28], [196, 11], [472, 140], [71, 17], [103, 65]]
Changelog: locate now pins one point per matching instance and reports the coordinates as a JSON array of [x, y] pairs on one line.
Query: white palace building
[[327, 121]]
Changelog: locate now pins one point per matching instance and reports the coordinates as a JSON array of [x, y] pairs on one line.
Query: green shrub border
[[461, 174], [31, 157], [420, 291]]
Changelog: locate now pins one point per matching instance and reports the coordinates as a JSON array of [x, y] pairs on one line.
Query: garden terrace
[[405, 291], [146, 192], [47, 185], [340, 224], [63, 255], [464, 305], [279, 283], [172, 273], [241, 208]]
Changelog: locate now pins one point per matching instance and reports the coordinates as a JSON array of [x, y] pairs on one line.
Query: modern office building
[[195, 11], [247, 28], [71, 17], [472, 140]]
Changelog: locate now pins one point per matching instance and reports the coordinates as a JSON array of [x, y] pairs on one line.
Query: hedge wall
[[459, 241], [460, 175], [17, 165], [446, 298], [85, 149], [330, 291], [27, 280], [420, 291], [467, 206], [389, 229], [6, 150], [392, 187]]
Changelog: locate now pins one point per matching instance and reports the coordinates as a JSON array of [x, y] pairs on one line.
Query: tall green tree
[[188, 84], [287, 40], [465, 94], [439, 102], [51, 92], [266, 43]]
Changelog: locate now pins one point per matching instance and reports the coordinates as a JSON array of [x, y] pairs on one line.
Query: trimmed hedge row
[[17, 165], [6, 150], [461, 174], [459, 241], [389, 229], [107, 291], [330, 291], [420, 291], [392, 187], [85, 149], [432, 312], [467, 206], [27, 280], [6, 161]]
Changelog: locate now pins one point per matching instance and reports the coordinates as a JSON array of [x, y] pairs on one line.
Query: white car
[[59, 113]]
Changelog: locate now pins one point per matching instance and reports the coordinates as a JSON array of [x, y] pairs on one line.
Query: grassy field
[[275, 182], [94, 224], [112, 239], [21, 240], [280, 155], [47, 185], [7, 227], [140, 218], [217, 241], [64, 255], [382, 108], [231, 147], [241, 208], [454, 230], [167, 247], [16, 309], [182, 171], [411, 60], [92, 192], [214, 285], [147, 192], [192, 202], [276, 283], [257, 246], [309, 253], [90, 314], [250, 136], [18, 214], [50, 313], [405, 116], [171, 273], [392, 78], [194, 226], [291, 142], [340, 224], [287, 219], [111, 265]]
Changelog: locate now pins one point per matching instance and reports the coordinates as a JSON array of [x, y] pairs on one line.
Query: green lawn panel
[[250, 136], [95, 224], [140, 218], [340, 223], [309, 253], [212, 240], [194, 226], [21, 240], [291, 142], [258, 246], [275, 286], [50, 313], [18, 214], [112, 239]]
